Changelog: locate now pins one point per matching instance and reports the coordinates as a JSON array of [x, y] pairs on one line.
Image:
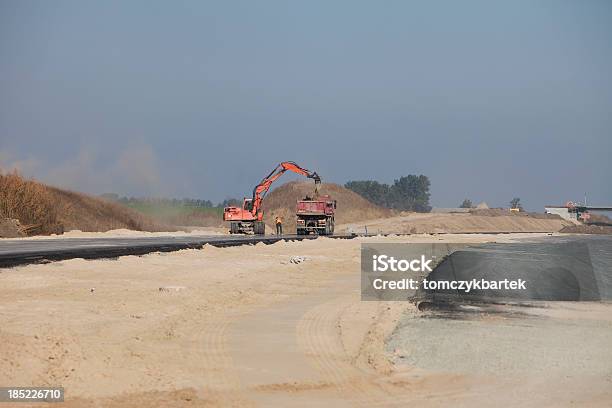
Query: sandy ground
[[238, 326]]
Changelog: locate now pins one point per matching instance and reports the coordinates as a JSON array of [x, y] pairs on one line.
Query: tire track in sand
[[318, 334], [221, 383]]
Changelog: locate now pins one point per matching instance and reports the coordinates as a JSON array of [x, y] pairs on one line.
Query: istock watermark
[[383, 263], [530, 271], [397, 271]]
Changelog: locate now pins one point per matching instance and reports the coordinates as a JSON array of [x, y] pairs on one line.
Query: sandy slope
[[416, 223], [230, 326]]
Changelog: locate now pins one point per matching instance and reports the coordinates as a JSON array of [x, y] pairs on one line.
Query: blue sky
[[491, 100]]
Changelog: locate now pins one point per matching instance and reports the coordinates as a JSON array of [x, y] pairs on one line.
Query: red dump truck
[[315, 215]]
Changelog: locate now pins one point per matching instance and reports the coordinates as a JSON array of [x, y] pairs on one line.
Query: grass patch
[[182, 215]]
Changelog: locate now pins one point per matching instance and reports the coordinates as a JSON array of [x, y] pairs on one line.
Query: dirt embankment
[[86, 213], [42, 209], [351, 206], [597, 224], [502, 212], [587, 229], [459, 223]]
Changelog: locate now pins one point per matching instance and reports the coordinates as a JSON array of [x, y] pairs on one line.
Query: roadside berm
[[434, 223]]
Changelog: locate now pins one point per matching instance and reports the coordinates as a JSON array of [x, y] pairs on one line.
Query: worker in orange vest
[[279, 225]]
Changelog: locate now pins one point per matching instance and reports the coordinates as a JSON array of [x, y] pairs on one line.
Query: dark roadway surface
[[21, 252], [573, 268], [553, 268]]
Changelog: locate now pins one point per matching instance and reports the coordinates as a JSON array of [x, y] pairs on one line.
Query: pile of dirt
[[459, 223], [351, 206], [41, 209], [86, 213], [599, 219], [501, 212]]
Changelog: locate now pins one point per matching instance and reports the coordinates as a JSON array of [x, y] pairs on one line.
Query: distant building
[[563, 212]]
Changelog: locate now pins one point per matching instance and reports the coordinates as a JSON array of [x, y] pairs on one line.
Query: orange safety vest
[[279, 220]]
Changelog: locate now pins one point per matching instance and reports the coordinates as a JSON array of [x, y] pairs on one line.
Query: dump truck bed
[[315, 207]]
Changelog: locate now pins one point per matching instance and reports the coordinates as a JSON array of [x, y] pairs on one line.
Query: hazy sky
[[489, 99]]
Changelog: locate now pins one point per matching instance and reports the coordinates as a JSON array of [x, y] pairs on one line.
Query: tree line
[[408, 193], [171, 202]]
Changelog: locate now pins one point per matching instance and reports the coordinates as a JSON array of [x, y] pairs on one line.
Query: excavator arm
[[259, 192]]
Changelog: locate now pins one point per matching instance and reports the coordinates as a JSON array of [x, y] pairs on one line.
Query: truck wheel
[[259, 228]]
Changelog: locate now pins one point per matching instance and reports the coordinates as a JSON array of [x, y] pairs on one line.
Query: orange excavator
[[249, 218]]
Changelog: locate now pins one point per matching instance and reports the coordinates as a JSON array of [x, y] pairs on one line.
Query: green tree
[[516, 203], [407, 193], [372, 191], [410, 193]]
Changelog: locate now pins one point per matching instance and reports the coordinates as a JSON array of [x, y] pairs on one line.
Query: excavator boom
[[260, 190]]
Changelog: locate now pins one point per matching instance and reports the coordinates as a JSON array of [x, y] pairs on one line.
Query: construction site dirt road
[[254, 325]]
